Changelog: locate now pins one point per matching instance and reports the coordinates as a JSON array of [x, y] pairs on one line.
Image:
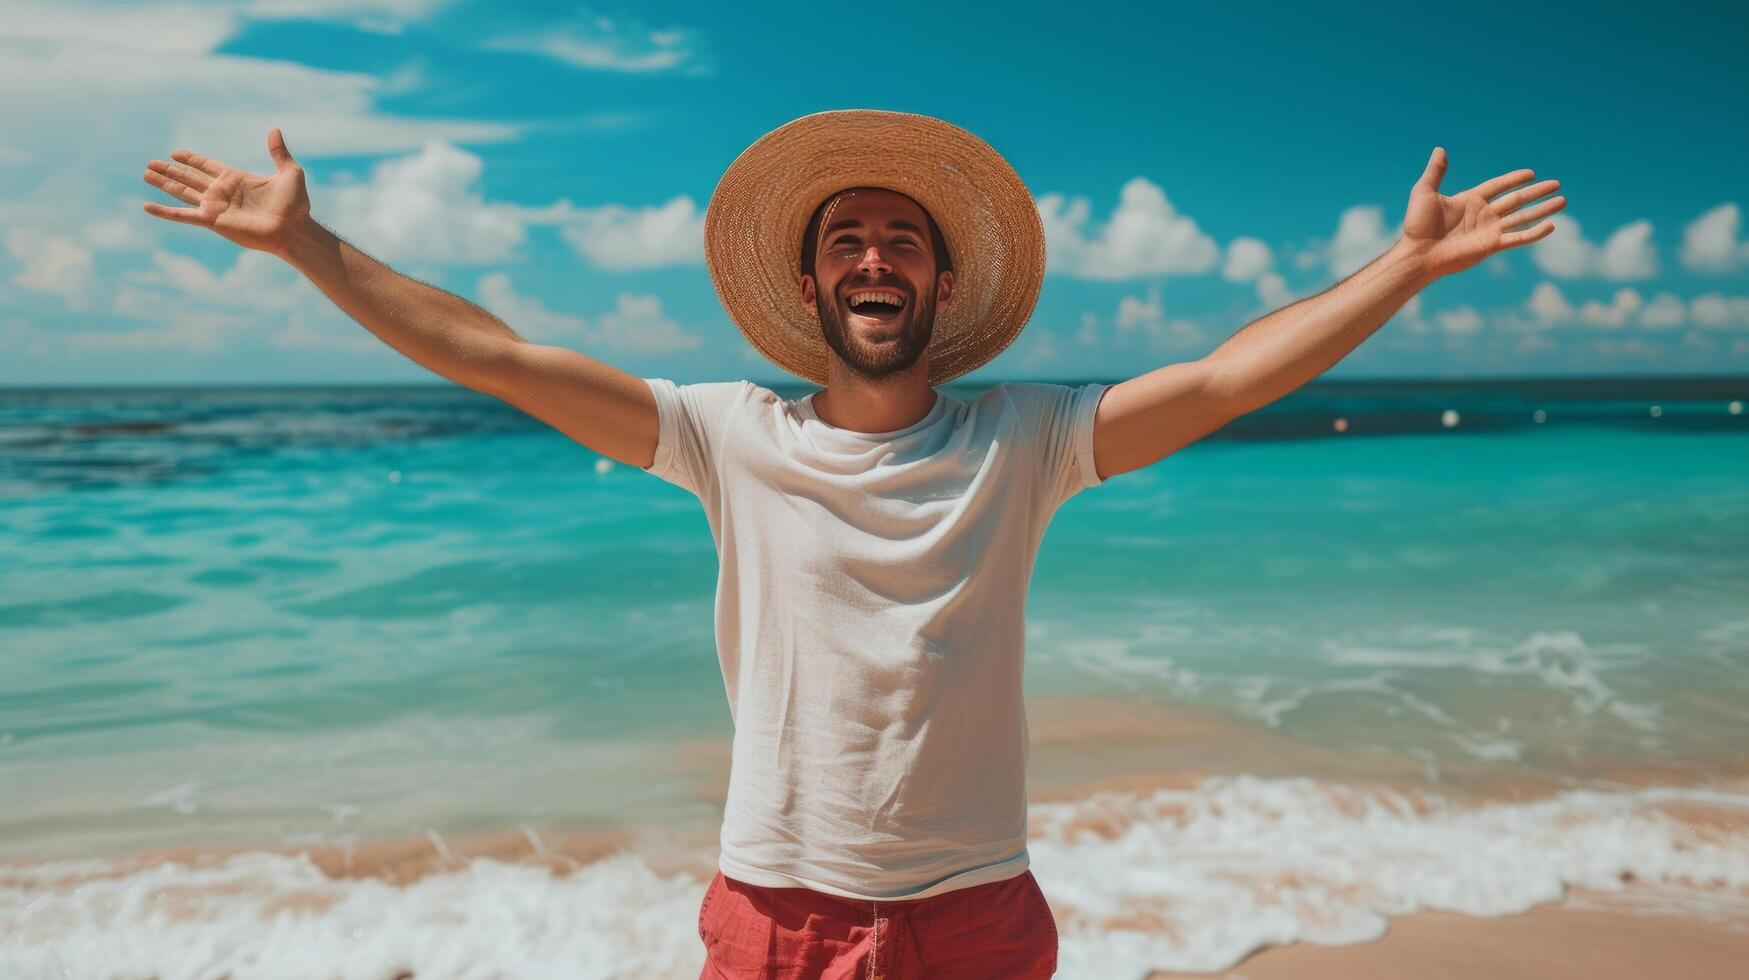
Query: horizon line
[[799, 382]]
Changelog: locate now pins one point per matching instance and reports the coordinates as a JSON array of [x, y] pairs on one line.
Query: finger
[[282, 157], [1507, 203], [188, 216], [1516, 238], [1491, 187], [1530, 214], [175, 188], [206, 164], [1435, 171], [196, 180]]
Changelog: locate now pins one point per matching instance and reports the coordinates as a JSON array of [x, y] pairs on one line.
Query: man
[[876, 537]]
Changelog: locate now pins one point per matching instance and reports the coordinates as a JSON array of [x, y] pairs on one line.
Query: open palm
[[249, 209], [1454, 233]]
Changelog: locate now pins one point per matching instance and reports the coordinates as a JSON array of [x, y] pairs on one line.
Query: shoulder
[[712, 394], [1029, 398]]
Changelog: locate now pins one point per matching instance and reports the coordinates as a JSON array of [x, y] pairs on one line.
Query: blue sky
[[552, 162]]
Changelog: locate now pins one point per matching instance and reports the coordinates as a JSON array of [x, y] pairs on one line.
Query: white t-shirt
[[870, 625]]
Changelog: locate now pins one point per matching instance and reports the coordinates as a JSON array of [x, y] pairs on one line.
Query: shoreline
[[1103, 774]]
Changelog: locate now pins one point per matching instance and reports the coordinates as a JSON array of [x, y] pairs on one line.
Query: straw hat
[[753, 231]]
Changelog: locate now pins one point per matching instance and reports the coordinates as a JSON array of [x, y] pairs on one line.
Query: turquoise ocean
[[255, 620]]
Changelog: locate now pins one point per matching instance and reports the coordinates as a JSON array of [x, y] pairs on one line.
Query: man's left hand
[[1451, 234]]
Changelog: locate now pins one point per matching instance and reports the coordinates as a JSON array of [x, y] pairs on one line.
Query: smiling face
[[875, 283]]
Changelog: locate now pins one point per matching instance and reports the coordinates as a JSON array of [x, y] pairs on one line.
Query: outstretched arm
[[1149, 417], [600, 406]]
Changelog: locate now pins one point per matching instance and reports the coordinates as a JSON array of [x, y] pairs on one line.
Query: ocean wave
[[1548, 700], [1188, 879]]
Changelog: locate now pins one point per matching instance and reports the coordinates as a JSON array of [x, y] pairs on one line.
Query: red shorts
[[1000, 929]]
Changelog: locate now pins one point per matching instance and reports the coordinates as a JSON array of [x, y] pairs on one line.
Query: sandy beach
[[1548, 943], [1106, 773]]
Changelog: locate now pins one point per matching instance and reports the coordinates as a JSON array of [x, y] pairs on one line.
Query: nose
[[872, 262]]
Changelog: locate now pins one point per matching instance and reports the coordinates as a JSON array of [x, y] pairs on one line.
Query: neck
[[860, 404]]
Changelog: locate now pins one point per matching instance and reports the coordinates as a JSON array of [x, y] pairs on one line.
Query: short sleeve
[[1058, 423], [694, 422]]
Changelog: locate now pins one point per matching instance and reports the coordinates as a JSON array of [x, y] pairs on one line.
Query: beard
[[914, 326]]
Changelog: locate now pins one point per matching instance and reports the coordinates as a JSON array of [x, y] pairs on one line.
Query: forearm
[[1276, 354], [440, 330]]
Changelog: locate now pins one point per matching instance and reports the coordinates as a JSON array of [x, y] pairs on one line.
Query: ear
[[943, 290], [808, 294]]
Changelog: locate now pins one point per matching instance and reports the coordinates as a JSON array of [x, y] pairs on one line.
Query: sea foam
[[1188, 879]]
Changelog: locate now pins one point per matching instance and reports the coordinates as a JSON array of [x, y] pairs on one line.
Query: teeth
[[875, 296]]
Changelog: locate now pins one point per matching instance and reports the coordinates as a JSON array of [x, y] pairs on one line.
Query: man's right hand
[[253, 211]]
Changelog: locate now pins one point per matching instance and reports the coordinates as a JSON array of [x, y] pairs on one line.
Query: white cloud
[[1709, 242], [52, 264], [1088, 335], [1565, 253], [424, 208], [382, 16], [638, 325], [191, 307], [1700, 342], [174, 28], [1315, 254], [306, 333], [1548, 305], [1719, 311], [1616, 314], [1360, 237], [139, 72], [1133, 312], [1664, 311], [1632, 347], [1534, 343], [239, 136], [188, 27], [190, 330], [1272, 290], [101, 89], [602, 44], [1147, 318], [527, 315], [1410, 317], [1250, 260], [1247, 258], [617, 237], [256, 282], [1460, 321], [1037, 347], [1628, 253], [1145, 236], [118, 232]]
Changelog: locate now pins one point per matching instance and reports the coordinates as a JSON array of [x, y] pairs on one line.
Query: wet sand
[[1081, 746], [1553, 942]]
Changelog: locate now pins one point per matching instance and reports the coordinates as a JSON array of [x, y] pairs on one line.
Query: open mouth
[[875, 304]]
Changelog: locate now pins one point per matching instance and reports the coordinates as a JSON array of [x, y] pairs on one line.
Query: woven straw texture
[[754, 223]]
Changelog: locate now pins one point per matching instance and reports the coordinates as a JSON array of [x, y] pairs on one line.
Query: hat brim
[[754, 223]]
